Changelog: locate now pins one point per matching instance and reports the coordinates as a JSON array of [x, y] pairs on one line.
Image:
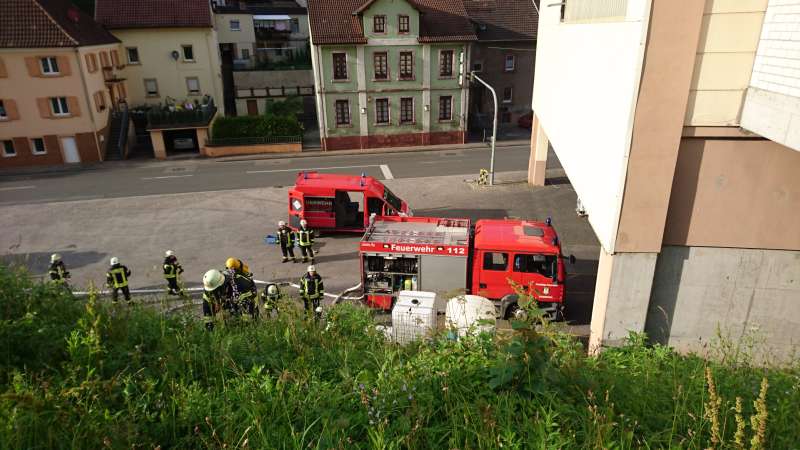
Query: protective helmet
[[311, 268], [213, 279], [169, 253], [318, 310], [272, 289], [233, 263], [281, 224], [303, 223], [55, 257], [114, 261]]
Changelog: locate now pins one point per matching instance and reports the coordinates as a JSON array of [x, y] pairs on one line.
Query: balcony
[[165, 117]]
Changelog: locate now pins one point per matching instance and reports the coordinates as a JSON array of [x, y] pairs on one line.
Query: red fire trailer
[[340, 202], [448, 255]]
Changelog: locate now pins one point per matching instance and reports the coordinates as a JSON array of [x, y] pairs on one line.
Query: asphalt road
[[128, 178]]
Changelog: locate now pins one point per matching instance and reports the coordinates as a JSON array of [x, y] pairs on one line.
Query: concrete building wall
[[772, 105], [155, 47], [725, 54], [491, 57], [244, 38], [701, 293], [584, 93]]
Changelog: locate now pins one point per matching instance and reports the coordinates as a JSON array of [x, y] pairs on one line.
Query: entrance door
[[494, 274], [70, 149], [252, 107]]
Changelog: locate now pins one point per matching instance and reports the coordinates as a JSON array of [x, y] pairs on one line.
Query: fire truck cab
[[340, 202], [448, 256]]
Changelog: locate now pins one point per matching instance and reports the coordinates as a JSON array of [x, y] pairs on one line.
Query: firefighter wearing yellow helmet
[[237, 266], [230, 292]]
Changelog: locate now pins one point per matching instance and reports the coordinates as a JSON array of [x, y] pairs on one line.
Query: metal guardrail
[[224, 142]]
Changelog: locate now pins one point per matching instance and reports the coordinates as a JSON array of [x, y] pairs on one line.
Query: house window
[[446, 107], [49, 65], [510, 61], [235, 25], [446, 63], [403, 24], [3, 113], [295, 26], [59, 106], [379, 24], [8, 148], [477, 67], [37, 145], [151, 87], [381, 66], [382, 111], [245, 53], [188, 53], [133, 55], [407, 110], [342, 112], [340, 66], [507, 94], [193, 85], [406, 65]]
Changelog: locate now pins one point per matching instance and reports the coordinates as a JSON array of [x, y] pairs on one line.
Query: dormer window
[[379, 24], [403, 25]]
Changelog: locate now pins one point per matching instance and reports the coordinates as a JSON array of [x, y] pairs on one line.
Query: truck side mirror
[[572, 259]]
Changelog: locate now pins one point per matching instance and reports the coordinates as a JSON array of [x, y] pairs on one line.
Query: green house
[[390, 72]]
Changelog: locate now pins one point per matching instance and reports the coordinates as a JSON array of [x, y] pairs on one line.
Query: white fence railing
[[594, 10]]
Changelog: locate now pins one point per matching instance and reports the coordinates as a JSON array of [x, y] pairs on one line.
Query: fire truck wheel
[[515, 312]]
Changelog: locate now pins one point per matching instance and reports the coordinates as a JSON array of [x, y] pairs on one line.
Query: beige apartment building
[[677, 125], [58, 84]]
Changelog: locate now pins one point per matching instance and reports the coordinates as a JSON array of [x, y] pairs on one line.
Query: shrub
[[280, 120]]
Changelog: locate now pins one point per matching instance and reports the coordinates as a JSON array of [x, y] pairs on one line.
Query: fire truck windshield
[[542, 264], [392, 199]]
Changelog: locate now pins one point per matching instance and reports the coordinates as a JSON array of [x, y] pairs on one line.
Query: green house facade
[[390, 72]]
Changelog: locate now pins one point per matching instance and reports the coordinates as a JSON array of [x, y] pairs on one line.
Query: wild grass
[[84, 374]]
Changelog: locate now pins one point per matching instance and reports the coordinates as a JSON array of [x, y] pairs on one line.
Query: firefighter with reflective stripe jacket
[[239, 267], [233, 293], [117, 280], [286, 238], [171, 272], [311, 290], [305, 238], [58, 271], [269, 297]]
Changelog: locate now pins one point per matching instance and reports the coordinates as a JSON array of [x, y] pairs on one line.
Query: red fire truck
[[448, 256], [340, 202]]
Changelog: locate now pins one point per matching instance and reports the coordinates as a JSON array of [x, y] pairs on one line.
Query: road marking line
[[17, 188], [318, 168], [386, 172], [166, 176]]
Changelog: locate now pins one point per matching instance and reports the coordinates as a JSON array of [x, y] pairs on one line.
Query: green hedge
[[256, 126]]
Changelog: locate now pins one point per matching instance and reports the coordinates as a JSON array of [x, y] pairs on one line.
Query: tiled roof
[[503, 20], [335, 23], [116, 14], [48, 23]]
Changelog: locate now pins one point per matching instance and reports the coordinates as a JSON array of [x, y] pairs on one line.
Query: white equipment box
[[471, 314], [414, 315]]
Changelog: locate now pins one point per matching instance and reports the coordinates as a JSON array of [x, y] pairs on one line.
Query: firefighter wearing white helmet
[[117, 280], [305, 239], [270, 297], [58, 271], [172, 271], [286, 238], [311, 289], [231, 292]]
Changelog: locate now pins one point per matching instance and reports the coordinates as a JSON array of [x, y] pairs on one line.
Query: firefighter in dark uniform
[[286, 238], [311, 290], [305, 238], [237, 266], [230, 292], [58, 271], [117, 280], [171, 272], [270, 297]]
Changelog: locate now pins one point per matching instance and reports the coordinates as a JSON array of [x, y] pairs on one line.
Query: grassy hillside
[[76, 374]]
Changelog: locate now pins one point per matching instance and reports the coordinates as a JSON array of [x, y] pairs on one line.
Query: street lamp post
[[494, 126]]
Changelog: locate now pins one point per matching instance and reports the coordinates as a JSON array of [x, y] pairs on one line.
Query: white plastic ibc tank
[[464, 312], [414, 315]]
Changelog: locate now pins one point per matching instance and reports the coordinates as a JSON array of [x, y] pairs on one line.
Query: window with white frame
[[407, 110], [37, 146], [446, 107], [133, 55], [193, 85], [403, 25], [379, 24], [245, 53], [406, 65], [49, 65], [151, 87], [446, 63], [235, 25], [342, 112], [8, 148], [188, 52], [340, 66], [381, 65], [59, 106], [510, 61], [382, 111], [507, 94], [3, 113]]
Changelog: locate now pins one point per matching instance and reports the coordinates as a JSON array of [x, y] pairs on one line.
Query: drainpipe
[[89, 106]]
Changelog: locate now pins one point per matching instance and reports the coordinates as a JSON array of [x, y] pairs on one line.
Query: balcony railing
[[225, 142], [181, 118]]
